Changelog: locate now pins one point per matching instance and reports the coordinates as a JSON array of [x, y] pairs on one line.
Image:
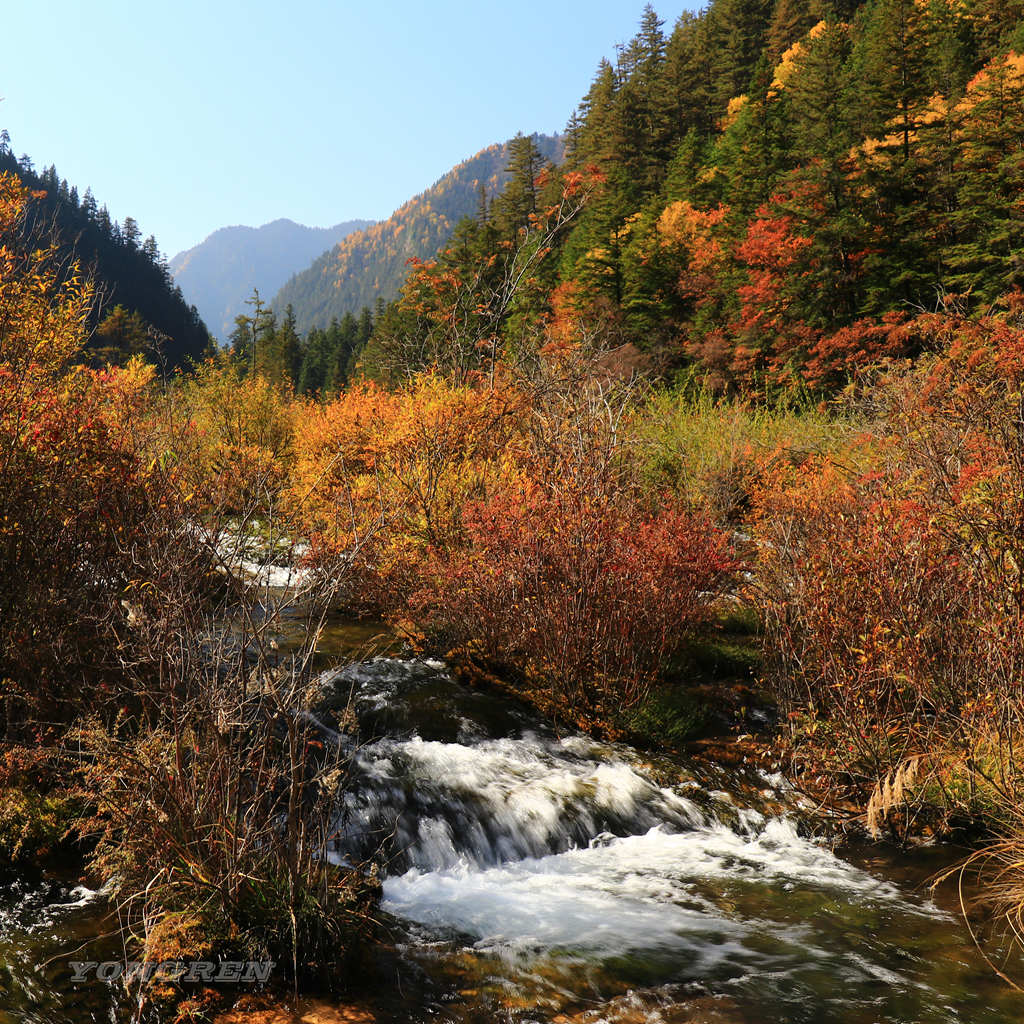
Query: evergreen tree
[[987, 260], [738, 29], [313, 371], [816, 101], [130, 233], [287, 350], [791, 21], [89, 205], [124, 274], [599, 130], [518, 202], [119, 336], [889, 81], [689, 78]]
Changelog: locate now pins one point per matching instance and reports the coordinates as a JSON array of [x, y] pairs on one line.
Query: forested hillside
[[138, 307], [221, 272], [778, 188], [372, 264]]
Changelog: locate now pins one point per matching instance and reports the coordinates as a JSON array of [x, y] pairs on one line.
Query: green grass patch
[[668, 716]]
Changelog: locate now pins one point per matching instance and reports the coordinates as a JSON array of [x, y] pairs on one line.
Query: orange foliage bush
[[510, 518], [388, 472], [86, 504], [82, 511], [43, 306], [233, 433]]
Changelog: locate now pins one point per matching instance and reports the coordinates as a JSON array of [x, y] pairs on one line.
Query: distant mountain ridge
[[220, 273], [373, 263]]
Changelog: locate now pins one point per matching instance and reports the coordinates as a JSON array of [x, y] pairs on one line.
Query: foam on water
[[627, 894], [569, 867]]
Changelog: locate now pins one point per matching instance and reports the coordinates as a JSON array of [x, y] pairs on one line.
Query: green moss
[[725, 657]]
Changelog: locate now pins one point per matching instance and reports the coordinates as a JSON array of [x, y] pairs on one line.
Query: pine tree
[[682, 179], [738, 29], [119, 336], [889, 80], [791, 21], [288, 350], [130, 233], [749, 154], [313, 371], [995, 23], [89, 205], [598, 134], [689, 77], [518, 202], [816, 100], [650, 81], [987, 260]]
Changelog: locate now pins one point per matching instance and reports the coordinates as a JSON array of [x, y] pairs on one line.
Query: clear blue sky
[[193, 115]]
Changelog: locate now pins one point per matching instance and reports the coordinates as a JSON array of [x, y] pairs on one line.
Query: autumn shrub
[[86, 509], [37, 815], [891, 581], [507, 515], [591, 597], [387, 473], [215, 827], [212, 791], [144, 700], [86, 505], [871, 618], [232, 432], [45, 301]]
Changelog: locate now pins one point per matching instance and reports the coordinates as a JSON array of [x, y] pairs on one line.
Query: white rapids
[[533, 843], [636, 893]]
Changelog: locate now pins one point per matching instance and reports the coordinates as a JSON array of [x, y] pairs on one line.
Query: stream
[[532, 876]]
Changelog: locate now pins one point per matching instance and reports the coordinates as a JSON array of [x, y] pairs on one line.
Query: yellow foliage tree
[[44, 305]]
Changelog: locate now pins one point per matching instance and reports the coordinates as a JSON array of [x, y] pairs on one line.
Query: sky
[[189, 116]]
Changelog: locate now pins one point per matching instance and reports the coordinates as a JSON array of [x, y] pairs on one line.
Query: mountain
[[220, 273], [373, 263], [137, 300]]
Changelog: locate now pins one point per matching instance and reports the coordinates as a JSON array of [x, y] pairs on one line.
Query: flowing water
[[555, 878], [535, 877]]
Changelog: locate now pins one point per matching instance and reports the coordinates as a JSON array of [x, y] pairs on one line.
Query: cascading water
[[564, 877]]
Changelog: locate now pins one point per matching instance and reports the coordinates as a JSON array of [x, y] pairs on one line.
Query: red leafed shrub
[[872, 615], [84, 517], [891, 576], [587, 594]]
